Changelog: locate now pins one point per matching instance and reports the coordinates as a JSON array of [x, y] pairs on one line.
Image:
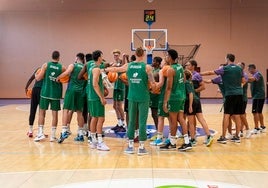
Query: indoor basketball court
[[25, 163]]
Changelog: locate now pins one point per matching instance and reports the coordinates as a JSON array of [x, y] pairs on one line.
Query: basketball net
[[186, 52], [149, 49]]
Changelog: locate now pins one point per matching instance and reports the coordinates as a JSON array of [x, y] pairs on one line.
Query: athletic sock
[[64, 129], [30, 128], [131, 143], [85, 126], [93, 136], [141, 145], [80, 131], [100, 140], [186, 139], [119, 122], [40, 129], [53, 131], [123, 123], [173, 140], [68, 126]]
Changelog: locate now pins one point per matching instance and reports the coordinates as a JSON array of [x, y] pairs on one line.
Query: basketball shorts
[[74, 100], [96, 109], [196, 107], [118, 95], [154, 99], [257, 105], [54, 104], [244, 107], [233, 104], [176, 106], [160, 110]]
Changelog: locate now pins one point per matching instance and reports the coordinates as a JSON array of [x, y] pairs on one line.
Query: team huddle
[[169, 89]]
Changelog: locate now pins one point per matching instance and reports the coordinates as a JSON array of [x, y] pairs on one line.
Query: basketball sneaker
[[79, 138], [157, 142], [30, 134], [129, 150], [69, 132], [120, 129], [209, 141], [256, 130], [103, 147], [222, 140], [93, 145], [185, 147], [39, 137], [248, 133], [168, 146], [115, 127], [142, 151], [263, 129], [63, 136], [153, 138], [193, 142], [235, 139], [89, 139]]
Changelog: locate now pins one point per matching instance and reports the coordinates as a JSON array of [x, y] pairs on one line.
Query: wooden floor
[[25, 163]]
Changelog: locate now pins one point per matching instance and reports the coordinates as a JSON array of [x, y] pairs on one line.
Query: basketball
[[29, 93], [85, 76], [155, 90], [37, 72], [64, 79], [164, 69], [106, 92], [123, 77], [112, 76]]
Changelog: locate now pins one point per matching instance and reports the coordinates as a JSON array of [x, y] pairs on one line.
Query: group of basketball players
[[168, 88]]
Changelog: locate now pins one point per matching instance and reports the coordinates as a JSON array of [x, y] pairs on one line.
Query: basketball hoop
[[149, 45]]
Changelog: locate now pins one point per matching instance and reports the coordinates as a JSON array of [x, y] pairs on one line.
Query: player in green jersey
[[244, 122], [232, 79], [154, 96], [118, 95], [160, 112], [139, 75], [96, 102], [193, 109], [174, 100], [51, 93], [258, 95], [74, 98], [197, 81], [84, 76]]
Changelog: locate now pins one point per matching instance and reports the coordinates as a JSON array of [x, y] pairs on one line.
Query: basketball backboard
[[153, 39]]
